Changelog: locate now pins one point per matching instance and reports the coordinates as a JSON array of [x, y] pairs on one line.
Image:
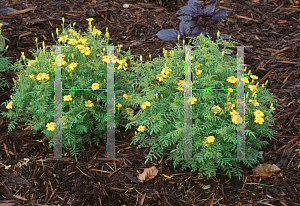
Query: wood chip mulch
[[271, 27]]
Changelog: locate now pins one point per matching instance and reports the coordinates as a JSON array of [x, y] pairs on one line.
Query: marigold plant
[[159, 94], [83, 65]]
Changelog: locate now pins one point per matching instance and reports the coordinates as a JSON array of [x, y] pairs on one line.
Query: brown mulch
[[270, 27]]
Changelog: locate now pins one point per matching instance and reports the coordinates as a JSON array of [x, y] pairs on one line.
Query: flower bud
[[44, 47]]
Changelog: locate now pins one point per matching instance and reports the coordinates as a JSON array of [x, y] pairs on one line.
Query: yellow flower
[[82, 41], [126, 96], [271, 107], [96, 32], [50, 126], [254, 102], [31, 62], [166, 70], [246, 80], [198, 65], [64, 118], [105, 59], [259, 120], [210, 139], [254, 77], [9, 105], [63, 38], [74, 33], [145, 104], [141, 128], [95, 86], [71, 66], [236, 118], [89, 103], [160, 77], [31, 76], [231, 79], [39, 76], [129, 111], [216, 109], [22, 54], [194, 100], [258, 113], [165, 52], [80, 47], [86, 51], [234, 112], [198, 72], [67, 98], [181, 84], [89, 19], [123, 64], [45, 76], [72, 41], [119, 105], [253, 88]]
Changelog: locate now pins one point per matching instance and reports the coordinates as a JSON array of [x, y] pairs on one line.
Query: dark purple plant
[[200, 17], [4, 10]]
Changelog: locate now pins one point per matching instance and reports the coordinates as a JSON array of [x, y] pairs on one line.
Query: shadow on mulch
[[272, 29]]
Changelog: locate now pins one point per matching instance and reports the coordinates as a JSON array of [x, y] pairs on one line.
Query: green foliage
[[159, 90], [148, 95], [83, 65], [5, 65]]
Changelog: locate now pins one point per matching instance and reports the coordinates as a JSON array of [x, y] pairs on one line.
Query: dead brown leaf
[[265, 170], [148, 174]]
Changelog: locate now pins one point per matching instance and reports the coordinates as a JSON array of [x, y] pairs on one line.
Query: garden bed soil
[[270, 27]]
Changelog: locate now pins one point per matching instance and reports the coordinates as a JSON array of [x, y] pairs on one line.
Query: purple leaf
[[191, 2], [209, 9], [131, 177], [181, 28], [219, 14], [197, 31], [168, 34], [192, 23], [185, 18], [200, 16], [225, 36], [189, 10], [222, 36], [4, 23], [201, 22], [4, 10], [184, 29]]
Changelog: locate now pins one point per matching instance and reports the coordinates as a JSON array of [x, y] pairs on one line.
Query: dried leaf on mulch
[[148, 174]]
